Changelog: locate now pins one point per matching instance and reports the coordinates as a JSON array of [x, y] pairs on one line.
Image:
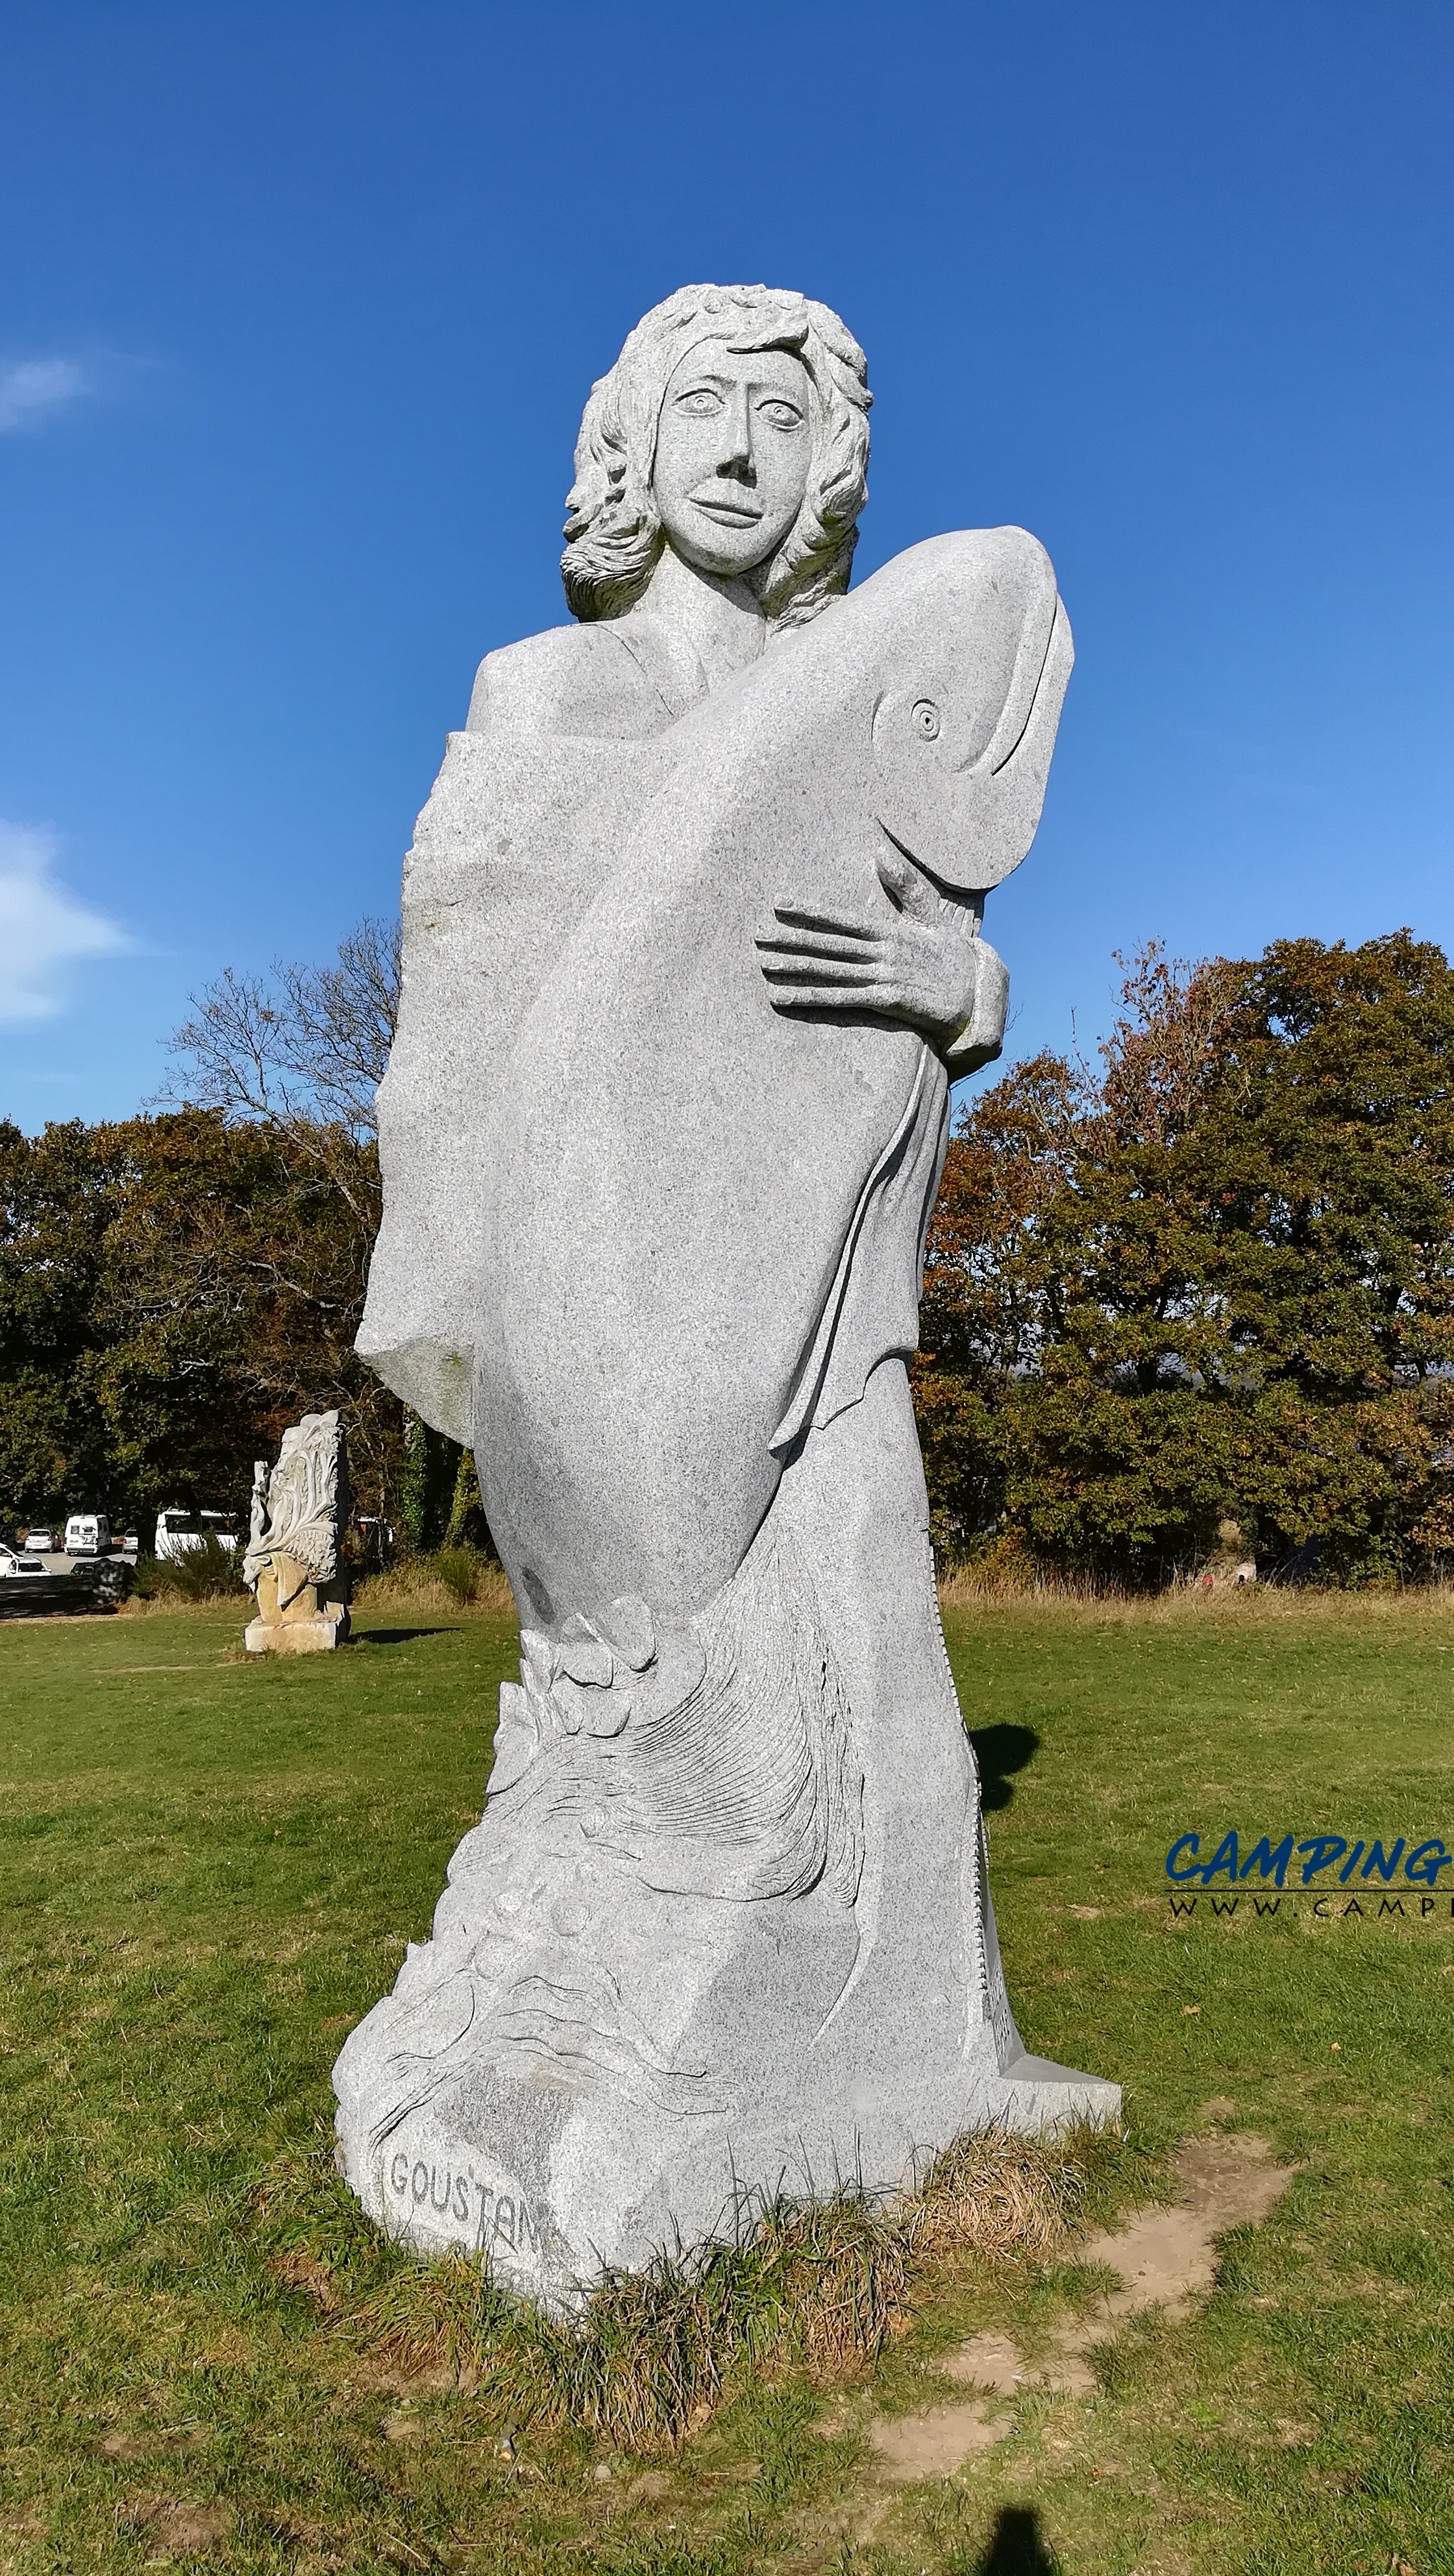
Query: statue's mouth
[[730, 514]]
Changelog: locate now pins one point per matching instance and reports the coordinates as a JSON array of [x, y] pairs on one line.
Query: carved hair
[[613, 536]]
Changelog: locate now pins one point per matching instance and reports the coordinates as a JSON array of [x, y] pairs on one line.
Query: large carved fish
[[701, 1220]]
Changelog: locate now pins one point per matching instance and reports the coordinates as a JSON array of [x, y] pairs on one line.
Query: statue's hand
[[916, 965]]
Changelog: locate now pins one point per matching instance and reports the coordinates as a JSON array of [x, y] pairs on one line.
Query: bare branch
[[304, 1048]]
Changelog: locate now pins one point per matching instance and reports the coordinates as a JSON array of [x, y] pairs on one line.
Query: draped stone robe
[[655, 1249]]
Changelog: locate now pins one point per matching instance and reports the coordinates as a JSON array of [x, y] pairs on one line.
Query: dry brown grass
[[819, 2287], [238, 1608], [426, 1586], [414, 1589], [650, 2352], [996, 2195], [967, 1589]]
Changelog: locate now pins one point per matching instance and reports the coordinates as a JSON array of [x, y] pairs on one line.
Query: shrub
[[210, 1572], [459, 1569]]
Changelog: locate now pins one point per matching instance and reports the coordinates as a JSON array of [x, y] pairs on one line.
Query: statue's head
[[734, 428]]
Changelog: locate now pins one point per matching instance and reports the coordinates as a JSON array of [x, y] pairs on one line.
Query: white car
[[178, 1532], [42, 1542], [88, 1534], [11, 1562]]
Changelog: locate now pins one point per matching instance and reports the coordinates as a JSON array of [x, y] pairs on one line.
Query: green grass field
[[211, 1868]]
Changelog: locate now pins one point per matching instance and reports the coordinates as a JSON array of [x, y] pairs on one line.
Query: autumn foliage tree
[[172, 1290], [1209, 1282]]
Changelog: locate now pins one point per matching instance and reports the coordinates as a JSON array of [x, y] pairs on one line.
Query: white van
[[88, 1534], [178, 1532]]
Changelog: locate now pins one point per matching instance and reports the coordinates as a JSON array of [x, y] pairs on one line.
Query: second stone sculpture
[[293, 1559]]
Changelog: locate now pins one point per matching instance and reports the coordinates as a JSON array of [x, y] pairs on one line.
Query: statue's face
[[732, 454]]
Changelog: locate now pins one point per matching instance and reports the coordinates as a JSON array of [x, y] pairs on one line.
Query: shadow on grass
[[1016, 2547], [398, 1636], [1000, 1750]]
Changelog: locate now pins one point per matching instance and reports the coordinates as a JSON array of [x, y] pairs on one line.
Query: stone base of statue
[[312, 1618], [724, 1929]]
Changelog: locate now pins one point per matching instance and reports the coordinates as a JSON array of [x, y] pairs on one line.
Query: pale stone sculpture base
[[314, 1617], [593, 2058]]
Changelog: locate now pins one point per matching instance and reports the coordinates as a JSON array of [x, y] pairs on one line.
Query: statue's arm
[[980, 1035], [915, 958]]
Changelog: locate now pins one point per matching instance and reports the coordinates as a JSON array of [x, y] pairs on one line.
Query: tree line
[[1208, 1282], [177, 1287], [1202, 1285]]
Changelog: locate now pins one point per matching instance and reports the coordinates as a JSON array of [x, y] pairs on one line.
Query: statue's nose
[[737, 457]]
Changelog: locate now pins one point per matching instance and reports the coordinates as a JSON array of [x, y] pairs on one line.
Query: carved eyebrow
[[762, 389]]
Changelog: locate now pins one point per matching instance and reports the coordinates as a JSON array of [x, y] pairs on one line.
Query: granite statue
[[692, 953], [293, 1564]]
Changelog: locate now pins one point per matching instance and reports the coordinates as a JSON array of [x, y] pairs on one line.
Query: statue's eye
[[780, 415], [702, 401], [925, 719]]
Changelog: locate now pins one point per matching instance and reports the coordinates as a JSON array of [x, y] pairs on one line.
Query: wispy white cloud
[[33, 389], [43, 928]]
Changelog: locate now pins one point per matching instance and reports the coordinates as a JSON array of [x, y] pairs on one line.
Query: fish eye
[[924, 717]]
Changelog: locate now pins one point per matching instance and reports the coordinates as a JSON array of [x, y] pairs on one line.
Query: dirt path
[[1165, 2258]]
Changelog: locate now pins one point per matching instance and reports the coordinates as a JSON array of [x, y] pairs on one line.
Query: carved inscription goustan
[[482, 2215]]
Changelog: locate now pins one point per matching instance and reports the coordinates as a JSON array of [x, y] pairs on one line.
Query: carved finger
[[845, 995], [832, 947], [815, 972], [801, 1003], [906, 885], [835, 923], [847, 1006], [894, 873]]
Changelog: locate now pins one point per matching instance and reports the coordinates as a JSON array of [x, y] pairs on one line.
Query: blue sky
[[300, 304]]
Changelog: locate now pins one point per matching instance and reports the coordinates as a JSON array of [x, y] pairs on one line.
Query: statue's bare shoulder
[[579, 680]]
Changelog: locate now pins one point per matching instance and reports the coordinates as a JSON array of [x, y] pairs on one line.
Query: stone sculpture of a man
[[691, 953]]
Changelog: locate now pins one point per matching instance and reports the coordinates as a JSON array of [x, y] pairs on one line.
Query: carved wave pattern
[[743, 1788], [578, 2025], [756, 1761]]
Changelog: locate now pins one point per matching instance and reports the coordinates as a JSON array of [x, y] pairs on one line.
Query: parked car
[[12, 1562], [88, 1534], [376, 1539], [42, 1542], [178, 1532]]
